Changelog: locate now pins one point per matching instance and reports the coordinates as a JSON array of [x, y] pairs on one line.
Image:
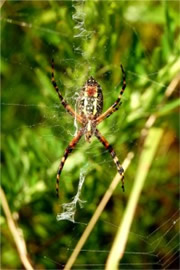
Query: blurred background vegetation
[[88, 38]]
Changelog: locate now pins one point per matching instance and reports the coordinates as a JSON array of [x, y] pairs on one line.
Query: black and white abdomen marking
[[91, 99], [90, 105]]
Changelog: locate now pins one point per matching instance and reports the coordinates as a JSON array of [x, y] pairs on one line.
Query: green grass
[[93, 38]]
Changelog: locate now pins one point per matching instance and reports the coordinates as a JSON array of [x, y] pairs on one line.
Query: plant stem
[[18, 238], [97, 213], [146, 158]]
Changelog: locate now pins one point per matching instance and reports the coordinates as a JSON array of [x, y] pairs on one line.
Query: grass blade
[[146, 158]]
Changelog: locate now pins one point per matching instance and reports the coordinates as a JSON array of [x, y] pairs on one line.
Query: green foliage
[[87, 38]]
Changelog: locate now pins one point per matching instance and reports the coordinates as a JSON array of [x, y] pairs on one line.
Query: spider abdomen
[[91, 99]]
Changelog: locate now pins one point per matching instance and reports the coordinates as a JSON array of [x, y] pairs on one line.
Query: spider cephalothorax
[[90, 105]]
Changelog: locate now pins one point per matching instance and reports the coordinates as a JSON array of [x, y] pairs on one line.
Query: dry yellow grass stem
[[145, 161], [18, 239], [152, 137], [97, 213]]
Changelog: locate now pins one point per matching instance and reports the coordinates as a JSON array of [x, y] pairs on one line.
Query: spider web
[[151, 252], [69, 209], [159, 248]]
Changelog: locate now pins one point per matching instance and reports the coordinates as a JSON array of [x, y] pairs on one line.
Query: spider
[[90, 105]]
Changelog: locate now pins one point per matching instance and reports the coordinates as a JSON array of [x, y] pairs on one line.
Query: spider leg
[[68, 150], [63, 101], [112, 153], [116, 104]]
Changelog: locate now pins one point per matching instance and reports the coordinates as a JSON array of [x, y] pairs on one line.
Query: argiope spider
[[90, 105]]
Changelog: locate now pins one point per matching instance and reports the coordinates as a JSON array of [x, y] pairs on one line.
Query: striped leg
[[116, 104], [68, 150], [63, 101], [113, 154]]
